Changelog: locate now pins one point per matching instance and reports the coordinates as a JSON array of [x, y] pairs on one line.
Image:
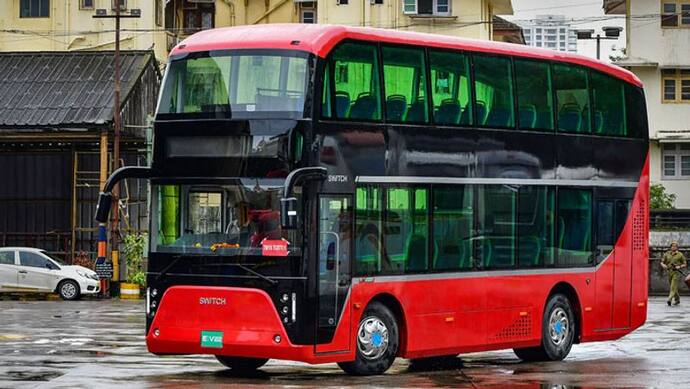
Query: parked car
[[25, 269]]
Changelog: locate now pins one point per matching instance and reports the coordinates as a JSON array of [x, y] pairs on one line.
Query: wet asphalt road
[[101, 344]]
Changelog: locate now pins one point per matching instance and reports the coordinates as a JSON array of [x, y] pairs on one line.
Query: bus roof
[[321, 38]]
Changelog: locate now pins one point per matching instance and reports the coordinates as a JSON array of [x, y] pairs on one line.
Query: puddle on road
[[32, 375]]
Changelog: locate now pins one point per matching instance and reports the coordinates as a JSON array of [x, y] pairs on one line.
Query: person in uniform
[[672, 261]]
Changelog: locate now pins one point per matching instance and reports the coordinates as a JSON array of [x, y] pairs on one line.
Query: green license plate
[[212, 339]]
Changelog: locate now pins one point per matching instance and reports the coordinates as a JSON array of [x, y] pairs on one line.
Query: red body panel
[[471, 312], [320, 39], [453, 313]]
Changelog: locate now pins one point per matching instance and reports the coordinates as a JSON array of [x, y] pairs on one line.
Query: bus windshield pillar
[[288, 204]]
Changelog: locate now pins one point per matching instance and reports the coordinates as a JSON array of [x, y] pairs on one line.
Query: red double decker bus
[[353, 195]]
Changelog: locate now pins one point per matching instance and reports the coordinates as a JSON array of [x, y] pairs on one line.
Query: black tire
[[557, 332], [69, 290], [241, 364], [378, 324]]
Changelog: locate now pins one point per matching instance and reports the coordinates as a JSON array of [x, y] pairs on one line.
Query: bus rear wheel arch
[[558, 331], [377, 341]]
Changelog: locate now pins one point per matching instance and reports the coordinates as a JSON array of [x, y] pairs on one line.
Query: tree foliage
[[133, 249], [659, 199]]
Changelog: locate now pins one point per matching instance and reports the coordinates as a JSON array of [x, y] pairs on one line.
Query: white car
[[24, 269]]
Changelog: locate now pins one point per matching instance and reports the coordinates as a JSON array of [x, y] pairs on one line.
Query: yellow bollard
[[115, 255]]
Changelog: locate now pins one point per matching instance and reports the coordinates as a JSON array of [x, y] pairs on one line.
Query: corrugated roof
[[64, 89]]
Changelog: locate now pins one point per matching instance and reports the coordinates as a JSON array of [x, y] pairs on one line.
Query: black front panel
[[226, 148]]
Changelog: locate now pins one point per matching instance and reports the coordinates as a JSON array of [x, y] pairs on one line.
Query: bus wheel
[[557, 333], [241, 364], [377, 342]]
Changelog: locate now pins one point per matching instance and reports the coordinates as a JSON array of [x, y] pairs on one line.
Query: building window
[[34, 9], [426, 7], [86, 4], [676, 85], [675, 13], [123, 4], [198, 17], [377, 2], [159, 12], [308, 16], [676, 160], [342, 2]]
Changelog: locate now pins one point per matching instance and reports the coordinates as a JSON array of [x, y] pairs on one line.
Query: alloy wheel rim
[[559, 326], [372, 338], [68, 290]]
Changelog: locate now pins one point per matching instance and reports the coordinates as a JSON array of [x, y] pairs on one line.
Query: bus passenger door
[[622, 273], [613, 288], [335, 247], [604, 276]]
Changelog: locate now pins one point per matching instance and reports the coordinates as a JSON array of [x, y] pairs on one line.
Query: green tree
[[659, 199]]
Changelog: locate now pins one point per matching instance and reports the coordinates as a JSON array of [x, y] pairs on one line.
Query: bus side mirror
[[103, 207], [288, 213]]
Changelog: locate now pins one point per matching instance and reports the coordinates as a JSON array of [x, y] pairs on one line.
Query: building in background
[[550, 32], [658, 52], [464, 18], [68, 25], [505, 31], [56, 123]]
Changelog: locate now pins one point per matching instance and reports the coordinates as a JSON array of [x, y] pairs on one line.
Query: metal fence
[[669, 219]]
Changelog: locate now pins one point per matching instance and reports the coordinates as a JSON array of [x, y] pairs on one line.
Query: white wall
[[669, 47], [646, 38]]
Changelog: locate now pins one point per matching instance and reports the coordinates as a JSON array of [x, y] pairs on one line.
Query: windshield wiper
[[172, 263], [253, 272], [241, 266]]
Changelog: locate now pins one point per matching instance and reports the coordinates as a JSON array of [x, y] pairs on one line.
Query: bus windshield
[[239, 84], [236, 219]]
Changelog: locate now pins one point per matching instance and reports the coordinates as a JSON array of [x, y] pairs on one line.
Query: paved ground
[[101, 343]]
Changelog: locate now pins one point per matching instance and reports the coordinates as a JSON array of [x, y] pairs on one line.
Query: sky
[[579, 11]]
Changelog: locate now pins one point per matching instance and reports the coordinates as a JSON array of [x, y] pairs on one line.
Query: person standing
[[672, 261]]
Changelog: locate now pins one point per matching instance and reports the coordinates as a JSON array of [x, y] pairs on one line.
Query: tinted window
[[572, 97], [237, 85], [493, 86], [496, 226], [636, 111], [450, 88], [534, 94], [404, 75], [6, 257], [32, 260], [453, 219], [406, 231], [605, 223], [356, 76], [536, 226], [608, 95], [368, 228], [574, 227]]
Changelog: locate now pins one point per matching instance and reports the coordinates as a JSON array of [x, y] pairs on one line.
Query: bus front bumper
[[240, 322]]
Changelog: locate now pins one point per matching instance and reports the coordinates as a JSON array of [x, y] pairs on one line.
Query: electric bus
[[338, 194]]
